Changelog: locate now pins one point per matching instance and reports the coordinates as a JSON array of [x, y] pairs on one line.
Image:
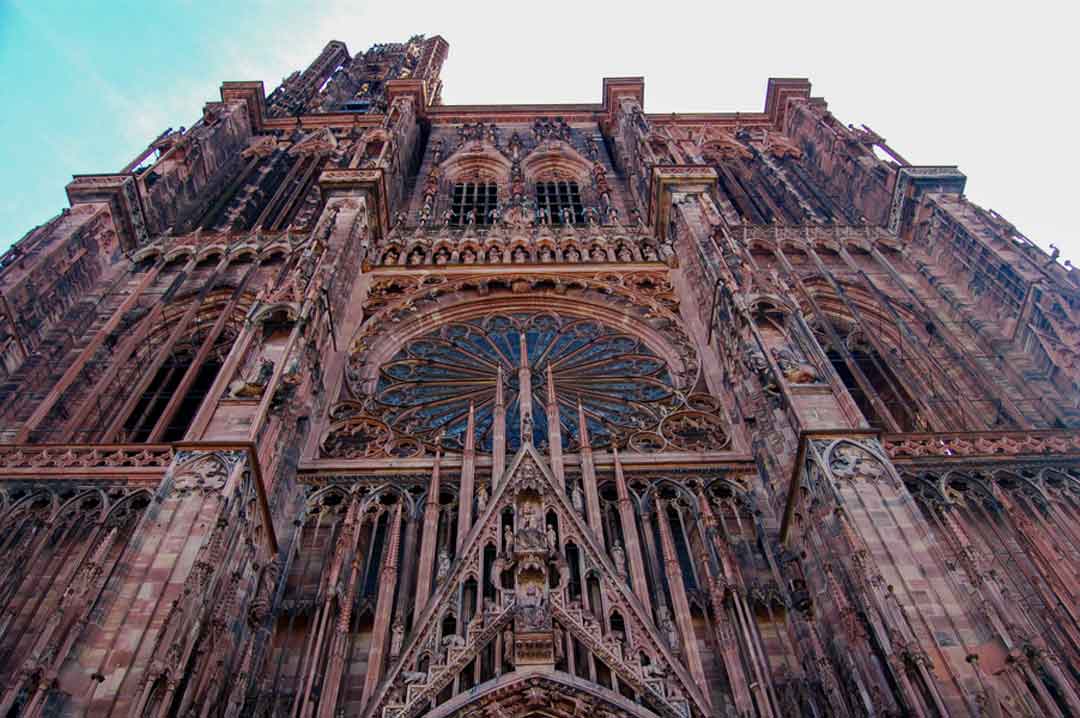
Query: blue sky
[[88, 84]]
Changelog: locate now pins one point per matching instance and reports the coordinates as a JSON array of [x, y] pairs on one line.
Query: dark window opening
[[555, 197], [472, 202], [152, 404], [886, 387]]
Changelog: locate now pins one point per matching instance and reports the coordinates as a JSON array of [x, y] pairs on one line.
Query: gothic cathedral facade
[[344, 402]]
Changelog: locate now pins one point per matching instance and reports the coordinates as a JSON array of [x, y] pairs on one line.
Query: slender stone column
[[429, 534], [630, 534], [468, 480], [555, 447], [498, 429], [588, 477], [384, 605], [678, 596]]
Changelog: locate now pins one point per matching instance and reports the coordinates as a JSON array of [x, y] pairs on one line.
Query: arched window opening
[[555, 197], [686, 563], [472, 202], [884, 383], [150, 408]]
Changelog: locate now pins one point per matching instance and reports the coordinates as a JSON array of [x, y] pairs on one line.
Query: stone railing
[[815, 234], [111, 460], [966, 445], [596, 244]]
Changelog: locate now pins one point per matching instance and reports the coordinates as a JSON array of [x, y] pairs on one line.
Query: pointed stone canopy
[[664, 684]]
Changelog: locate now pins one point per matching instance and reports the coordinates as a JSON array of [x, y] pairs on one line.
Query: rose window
[[425, 390]]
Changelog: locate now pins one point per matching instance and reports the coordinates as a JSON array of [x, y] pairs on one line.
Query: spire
[[468, 479], [588, 475], [628, 517], [430, 534]]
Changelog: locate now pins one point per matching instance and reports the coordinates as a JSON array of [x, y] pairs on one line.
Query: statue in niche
[[546, 257], [444, 566], [391, 257], [508, 540], [542, 217], [508, 644], [519, 256], [481, 498], [468, 256], [649, 253], [448, 218], [397, 638], [598, 254], [470, 218], [667, 628], [577, 499], [416, 257], [624, 254], [494, 256], [253, 388], [559, 639], [568, 218], [529, 519], [573, 255], [618, 556], [552, 540], [442, 256], [495, 216]]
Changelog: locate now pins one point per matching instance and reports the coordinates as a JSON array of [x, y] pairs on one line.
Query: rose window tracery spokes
[[426, 389]]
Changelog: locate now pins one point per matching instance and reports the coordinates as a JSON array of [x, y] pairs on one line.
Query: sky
[[988, 86]]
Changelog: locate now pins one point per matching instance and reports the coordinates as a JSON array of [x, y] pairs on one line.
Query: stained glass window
[[426, 388]]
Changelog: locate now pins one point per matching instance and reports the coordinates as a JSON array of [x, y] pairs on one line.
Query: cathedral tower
[[347, 403]]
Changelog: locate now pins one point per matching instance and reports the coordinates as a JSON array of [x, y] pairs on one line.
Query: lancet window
[[882, 381], [560, 201], [472, 202]]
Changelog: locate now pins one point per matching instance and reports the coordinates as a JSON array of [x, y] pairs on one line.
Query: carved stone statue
[[618, 557], [508, 540], [794, 367], [552, 540], [667, 626], [444, 566], [577, 499], [397, 638], [408, 677], [481, 498], [508, 645], [253, 388]]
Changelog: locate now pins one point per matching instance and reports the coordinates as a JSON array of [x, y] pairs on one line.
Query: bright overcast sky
[[987, 86]]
